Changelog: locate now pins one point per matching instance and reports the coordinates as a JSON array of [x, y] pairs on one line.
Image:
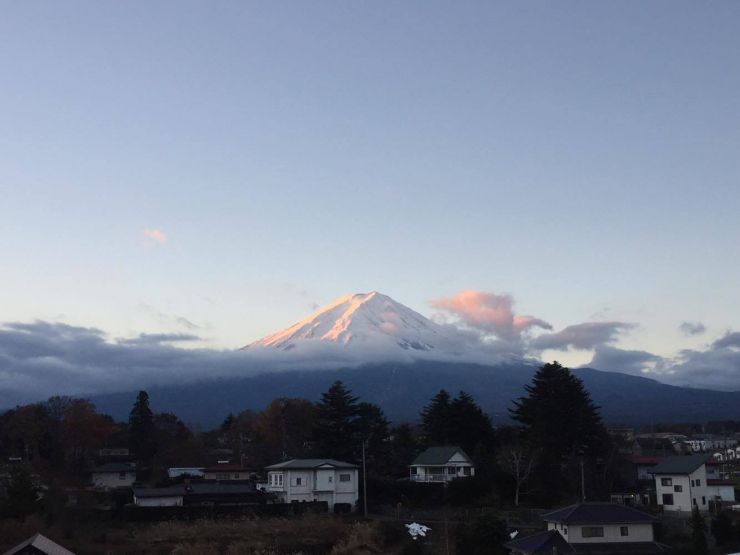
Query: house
[[314, 480], [199, 493], [602, 528], [38, 545], [680, 483], [226, 472], [441, 464], [114, 475]]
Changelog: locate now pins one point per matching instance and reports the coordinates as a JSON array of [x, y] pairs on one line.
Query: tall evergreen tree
[[372, 427], [561, 422], [435, 420], [141, 428], [470, 427], [336, 423]]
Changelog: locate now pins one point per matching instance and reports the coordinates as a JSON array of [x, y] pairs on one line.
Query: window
[[678, 489], [298, 481], [692, 483], [703, 500], [121, 475], [345, 477], [222, 476], [236, 476], [466, 471], [667, 499], [624, 531], [666, 481], [592, 532], [414, 470], [694, 500], [451, 470], [698, 483], [331, 479]]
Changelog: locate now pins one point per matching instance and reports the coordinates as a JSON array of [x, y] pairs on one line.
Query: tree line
[[555, 437]]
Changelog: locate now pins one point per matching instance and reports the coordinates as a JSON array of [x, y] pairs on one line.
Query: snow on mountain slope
[[374, 321]]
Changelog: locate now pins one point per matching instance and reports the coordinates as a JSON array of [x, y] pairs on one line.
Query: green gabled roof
[[439, 455]]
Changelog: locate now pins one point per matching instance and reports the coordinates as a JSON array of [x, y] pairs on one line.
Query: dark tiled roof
[[541, 542], [310, 464], [711, 482], [41, 544], [196, 488], [439, 455], [597, 513], [115, 467], [682, 464]]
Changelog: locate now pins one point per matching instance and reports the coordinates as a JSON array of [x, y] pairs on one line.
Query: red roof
[[646, 459]]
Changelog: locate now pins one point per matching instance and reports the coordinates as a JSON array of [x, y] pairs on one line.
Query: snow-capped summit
[[367, 319]]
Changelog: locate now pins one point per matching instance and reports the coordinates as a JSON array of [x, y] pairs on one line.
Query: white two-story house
[[441, 464], [592, 528], [114, 475], [681, 483], [314, 480]]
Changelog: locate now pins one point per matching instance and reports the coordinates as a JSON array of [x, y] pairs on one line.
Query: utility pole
[[364, 481], [583, 484]]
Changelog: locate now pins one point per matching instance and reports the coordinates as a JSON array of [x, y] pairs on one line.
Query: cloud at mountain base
[[586, 336]]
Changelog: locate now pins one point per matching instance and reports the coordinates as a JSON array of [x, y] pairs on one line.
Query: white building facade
[[681, 483], [114, 475], [314, 480]]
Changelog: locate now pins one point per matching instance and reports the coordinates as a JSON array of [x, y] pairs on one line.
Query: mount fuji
[[370, 327], [390, 355]]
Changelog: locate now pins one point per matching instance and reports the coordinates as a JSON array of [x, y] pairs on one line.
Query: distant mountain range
[[402, 389], [393, 356]]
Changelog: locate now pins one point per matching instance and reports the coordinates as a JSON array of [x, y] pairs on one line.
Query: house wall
[[573, 533], [690, 496], [110, 480], [725, 493], [321, 485], [158, 501], [226, 475]]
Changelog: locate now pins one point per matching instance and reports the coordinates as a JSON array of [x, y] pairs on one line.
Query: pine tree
[[560, 422], [336, 425], [698, 534], [372, 427], [435, 420], [470, 427], [141, 428]]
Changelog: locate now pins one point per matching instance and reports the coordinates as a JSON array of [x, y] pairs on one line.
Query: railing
[[429, 477]]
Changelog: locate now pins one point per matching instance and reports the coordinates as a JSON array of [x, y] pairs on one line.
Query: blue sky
[[583, 157]]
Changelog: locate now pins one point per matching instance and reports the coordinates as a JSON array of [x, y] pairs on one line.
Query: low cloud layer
[[488, 313], [586, 336]]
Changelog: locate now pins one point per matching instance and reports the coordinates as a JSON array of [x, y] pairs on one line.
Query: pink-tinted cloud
[[155, 236], [489, 313]]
